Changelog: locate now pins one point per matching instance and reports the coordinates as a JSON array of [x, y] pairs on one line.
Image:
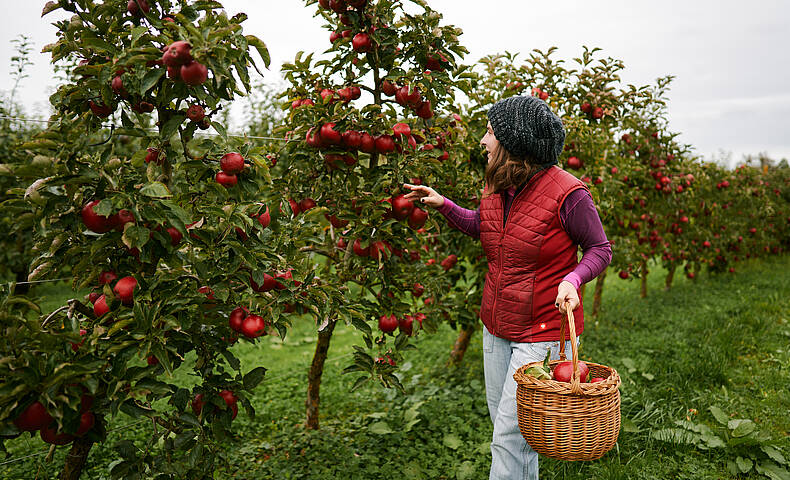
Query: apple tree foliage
[[387, 63], [159, 217]]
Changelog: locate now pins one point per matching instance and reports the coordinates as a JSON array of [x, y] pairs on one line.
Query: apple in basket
[[564, 371]]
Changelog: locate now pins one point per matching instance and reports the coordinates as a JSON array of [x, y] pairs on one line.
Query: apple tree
[[168, 230], [371, 114]]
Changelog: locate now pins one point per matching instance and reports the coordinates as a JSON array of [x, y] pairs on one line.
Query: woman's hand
[[425, 195], [566, 292]]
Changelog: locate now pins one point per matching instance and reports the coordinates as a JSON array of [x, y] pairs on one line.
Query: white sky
[[731, 58]]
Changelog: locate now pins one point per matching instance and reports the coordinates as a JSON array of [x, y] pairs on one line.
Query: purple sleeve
[[580, 219], [467, 221]]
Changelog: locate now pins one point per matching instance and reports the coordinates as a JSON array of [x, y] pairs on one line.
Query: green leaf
[[718, 414], [712, 441], [151, 78], [774, 453], [466, 471], [171, 126], [628, 425], [675, 435], [261, 47], [451, 441], [379, 428], [134, 236], [744, 464], [772, 471], [253, 378], [741, 427], [131, 408], [156, 190]]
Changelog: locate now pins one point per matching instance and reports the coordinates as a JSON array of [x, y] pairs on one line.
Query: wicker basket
[[569, 421]]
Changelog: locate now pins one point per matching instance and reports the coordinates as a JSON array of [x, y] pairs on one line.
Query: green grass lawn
[[719, 342]]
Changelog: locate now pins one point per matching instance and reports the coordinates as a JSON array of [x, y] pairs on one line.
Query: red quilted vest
[[527, 259]]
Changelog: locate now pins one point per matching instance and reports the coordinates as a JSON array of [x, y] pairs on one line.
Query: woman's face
[[489, 141]]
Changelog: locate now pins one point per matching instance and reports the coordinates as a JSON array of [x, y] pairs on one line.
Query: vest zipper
[[501, 237]]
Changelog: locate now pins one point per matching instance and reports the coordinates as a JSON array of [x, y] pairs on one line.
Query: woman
[[531, 220]]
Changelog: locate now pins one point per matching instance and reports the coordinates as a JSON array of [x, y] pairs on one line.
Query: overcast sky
[[731, 58]]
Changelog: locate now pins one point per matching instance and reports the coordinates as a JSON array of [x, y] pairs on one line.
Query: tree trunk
[[76, 458], [643, 291], [598, 293], [314, 376], [461, 343], [670, 276]]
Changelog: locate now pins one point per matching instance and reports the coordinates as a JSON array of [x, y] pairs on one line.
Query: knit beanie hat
[[526, 126]]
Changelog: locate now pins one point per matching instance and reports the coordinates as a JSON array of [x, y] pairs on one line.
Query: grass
[[720, 341]]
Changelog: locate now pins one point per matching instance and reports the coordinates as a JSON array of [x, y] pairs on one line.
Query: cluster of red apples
[[230, 165], [36, 418]]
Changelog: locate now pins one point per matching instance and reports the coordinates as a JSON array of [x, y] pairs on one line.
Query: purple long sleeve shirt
[[579, 218]]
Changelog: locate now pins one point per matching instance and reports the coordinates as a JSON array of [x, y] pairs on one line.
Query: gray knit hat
[[526, 126]]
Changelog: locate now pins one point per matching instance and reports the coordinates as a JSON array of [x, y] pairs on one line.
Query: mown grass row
[[721, 341]]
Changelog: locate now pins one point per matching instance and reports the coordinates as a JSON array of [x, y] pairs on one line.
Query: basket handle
[[575, 384]]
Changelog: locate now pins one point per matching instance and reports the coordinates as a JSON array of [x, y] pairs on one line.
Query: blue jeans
[[511, 457]]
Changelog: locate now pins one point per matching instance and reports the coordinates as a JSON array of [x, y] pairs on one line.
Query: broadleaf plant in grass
[[746, 446]]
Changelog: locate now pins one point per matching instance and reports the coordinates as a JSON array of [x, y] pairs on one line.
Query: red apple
[[401, 130], [306, 204], [564, 371], [135, 7], [100, 306], [177, 54], [405, 324], [329, 135], [424, 110], [175, 236], [232, 163], [253, 326], [265, 218], [362, 252], [226, 180], [154, 155], [93, 221], [194, 73], [50, 435], [597, 379], [417, 218], [361, 43], [385, 144], [574, 163], [107, 277], [449, 262], [120, 219], [388, 88], [401, 208], [87, 420], [351, 139], [388, 323], [237, 317], [417, 290], [124, 289], [230, 401], [196, 113], [76, 346], [34, 417], [197, 404], [117, 86], [367, 143]]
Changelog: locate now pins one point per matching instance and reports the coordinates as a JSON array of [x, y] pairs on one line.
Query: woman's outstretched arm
[[467, 221]]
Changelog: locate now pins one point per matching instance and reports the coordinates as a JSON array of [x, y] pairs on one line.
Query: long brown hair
[[505, 171]]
